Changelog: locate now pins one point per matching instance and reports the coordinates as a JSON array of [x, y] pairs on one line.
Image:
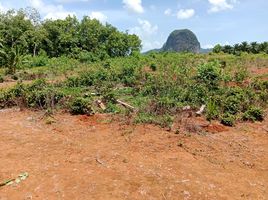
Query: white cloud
[[145, 28], [149, 45], [220, 5], [168, 12], [145, 31], [99, 16], [185, 13], [50, 11], [133, 6], [58, 15], [2, 8]]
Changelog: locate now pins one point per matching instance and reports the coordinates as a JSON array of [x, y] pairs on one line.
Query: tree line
[[253, 47], [23, 32]]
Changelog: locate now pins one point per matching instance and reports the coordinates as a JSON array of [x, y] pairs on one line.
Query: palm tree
[[254, 47], [11, 58], [263, 47], [227, 49], [244, 47]]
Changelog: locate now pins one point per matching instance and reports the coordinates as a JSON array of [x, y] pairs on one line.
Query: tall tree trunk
[[34, 50]]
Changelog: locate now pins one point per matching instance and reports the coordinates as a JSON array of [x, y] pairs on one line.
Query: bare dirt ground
[[9, 84], [81, 157]]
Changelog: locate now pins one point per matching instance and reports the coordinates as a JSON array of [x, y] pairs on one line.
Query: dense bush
[[39, 61], [81, 106], [254, 114], [209, 74], [87, 57], [153, 67], [212, 110], [228, 119]]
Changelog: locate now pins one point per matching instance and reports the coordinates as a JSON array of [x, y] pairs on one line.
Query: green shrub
[[17, 91], [87, 57], [109, 97], [240, 75], [212, 110], [210, 74], [72, 82], [223, 64], [39, 61], [235, 100], [153, 67], [1, 79], [14, 77], [253, 114], [195, 94], [127, 75], [161, 120], [232, 105], [228, 119], [45, 98], [81, 106], [163, 105], [259, 84]]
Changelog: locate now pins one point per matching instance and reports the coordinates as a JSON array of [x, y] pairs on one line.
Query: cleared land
[[97, 157]]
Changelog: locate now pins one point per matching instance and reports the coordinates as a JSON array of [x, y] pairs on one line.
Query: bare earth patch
[[81, 157]]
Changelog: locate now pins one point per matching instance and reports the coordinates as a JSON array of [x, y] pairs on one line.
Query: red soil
[[81, 157]]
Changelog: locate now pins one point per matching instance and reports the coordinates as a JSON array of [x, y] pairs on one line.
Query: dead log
[[125, 105]]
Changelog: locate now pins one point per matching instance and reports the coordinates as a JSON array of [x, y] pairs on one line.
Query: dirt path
[[81, 158]]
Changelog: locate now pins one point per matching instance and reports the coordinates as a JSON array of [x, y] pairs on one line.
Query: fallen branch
[[125, 105], [98, 160], [6, 182], [21, 177], [101, 105], [201, 110]]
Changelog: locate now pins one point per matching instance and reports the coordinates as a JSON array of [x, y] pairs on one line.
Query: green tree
[[254, 47], [245, 47], [217, 48], [228, 49], [62, 37], [14, 27]]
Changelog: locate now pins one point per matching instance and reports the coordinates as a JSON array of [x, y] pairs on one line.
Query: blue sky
[[213, 21]]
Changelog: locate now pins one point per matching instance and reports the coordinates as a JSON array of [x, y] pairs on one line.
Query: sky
[[213, 21]]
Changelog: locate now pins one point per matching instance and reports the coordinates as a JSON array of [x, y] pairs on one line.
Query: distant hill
[[182, 40], [205, 50]]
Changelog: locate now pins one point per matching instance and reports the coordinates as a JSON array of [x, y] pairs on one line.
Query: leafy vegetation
[[78, 65], [158, 91], [23, 35], [254, 114]]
